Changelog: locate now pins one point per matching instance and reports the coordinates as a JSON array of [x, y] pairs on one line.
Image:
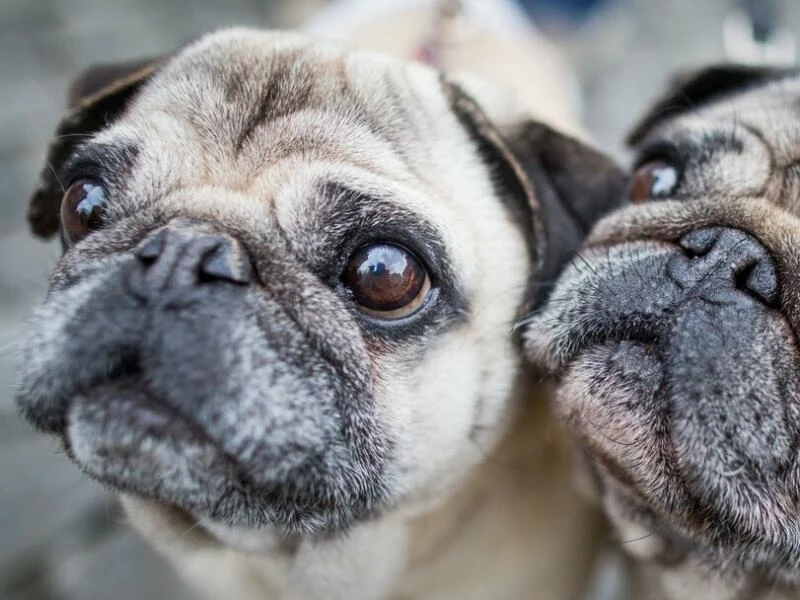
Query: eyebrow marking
[[289, 89], [710, 145], [108, 162], [363, 215]]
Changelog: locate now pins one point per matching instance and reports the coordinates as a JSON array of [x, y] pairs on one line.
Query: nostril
[[226, 262], [742, 274], [124, 365], [699, 242], [149, 250], [175, 261], [723, 257], [761, 280]]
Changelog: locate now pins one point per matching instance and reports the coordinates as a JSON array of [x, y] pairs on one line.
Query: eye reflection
[[386, 280], [654, 179], [82, 209]]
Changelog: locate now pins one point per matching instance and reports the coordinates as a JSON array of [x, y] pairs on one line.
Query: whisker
[[55, 176], [638, 539]]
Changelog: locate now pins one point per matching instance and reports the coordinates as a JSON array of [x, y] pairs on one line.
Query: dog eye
[[654, 179], [386, 281], [82, 209]]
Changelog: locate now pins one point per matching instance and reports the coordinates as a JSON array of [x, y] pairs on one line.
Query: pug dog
[[282, 325], [674, 339]]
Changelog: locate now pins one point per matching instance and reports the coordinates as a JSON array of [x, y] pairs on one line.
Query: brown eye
[[82, 209], [386, 281], [654, 179]]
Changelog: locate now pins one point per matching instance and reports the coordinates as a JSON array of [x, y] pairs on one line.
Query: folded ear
[[555, 186], [692, 89], [96, 98]]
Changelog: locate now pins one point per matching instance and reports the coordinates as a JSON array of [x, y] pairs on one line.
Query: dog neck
[[503, 533]]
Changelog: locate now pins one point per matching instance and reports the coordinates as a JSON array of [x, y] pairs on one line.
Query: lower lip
[[119, 428]]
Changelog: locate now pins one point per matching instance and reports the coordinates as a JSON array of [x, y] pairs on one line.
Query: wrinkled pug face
[[675, 336], [289, 277]]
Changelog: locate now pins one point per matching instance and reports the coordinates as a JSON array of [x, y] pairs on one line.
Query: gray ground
[[61, 536]]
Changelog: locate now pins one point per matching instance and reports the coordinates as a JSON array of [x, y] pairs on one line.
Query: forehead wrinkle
[[771, 121], [227, 94], [281, 87], [306, 84], [289, 142], [370, 87], [767, 114], [336, 120], [729, 141], [392, 100], [416, 121], [322, 135]]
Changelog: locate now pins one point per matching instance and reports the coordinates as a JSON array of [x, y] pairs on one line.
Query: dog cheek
[[594, 298], [56, 332], [431, 413], [617, 413]]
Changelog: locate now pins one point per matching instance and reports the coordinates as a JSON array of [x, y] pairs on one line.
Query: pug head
[[289, 278], [675, 335]]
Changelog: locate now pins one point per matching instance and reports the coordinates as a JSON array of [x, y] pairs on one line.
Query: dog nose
[[729, 257], [186, 257]]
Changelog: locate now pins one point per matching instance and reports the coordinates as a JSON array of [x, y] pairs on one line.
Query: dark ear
[[693, 89], [96, 98], [555, 186]]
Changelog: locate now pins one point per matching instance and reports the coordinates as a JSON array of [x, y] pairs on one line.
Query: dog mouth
[[124, 436]]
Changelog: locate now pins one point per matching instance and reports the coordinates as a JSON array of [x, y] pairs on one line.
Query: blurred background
[[61, 536]]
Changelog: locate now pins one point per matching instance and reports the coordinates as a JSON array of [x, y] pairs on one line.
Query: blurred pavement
[[61, 536]]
